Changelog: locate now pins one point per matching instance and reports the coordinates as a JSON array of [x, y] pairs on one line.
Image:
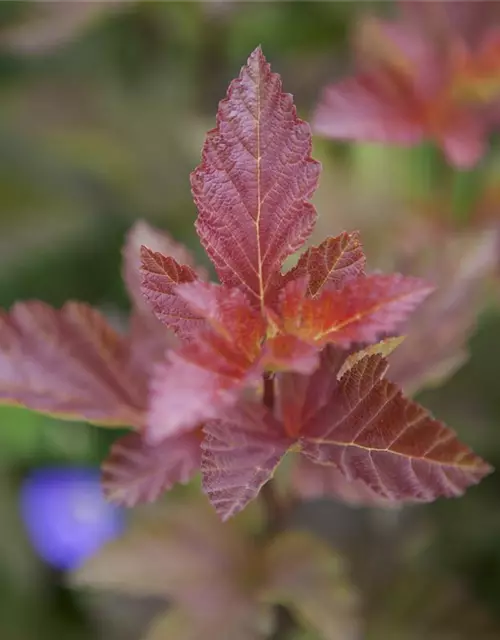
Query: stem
[[276, 512]]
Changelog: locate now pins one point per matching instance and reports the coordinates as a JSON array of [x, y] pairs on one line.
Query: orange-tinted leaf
[[137, 472], [253, 185], [207, 375], [71, 363], [228, 313], [370, 431], [240, 454], [332, 264], [383, 348], [304, 574], [289, 353], [160, 276], [361, 312]]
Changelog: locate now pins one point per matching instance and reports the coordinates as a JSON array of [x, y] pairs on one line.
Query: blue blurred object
[[66, 515]]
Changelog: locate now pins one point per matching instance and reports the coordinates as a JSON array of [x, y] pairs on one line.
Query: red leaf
[[437, 333], [289, 353], [361, 312], [70, 363], [157, 241], [311, 481], [208, 374], [371, 432], [253, 185], [240, 454], [419, 79], [332, 264], [137, 472], [160, 276], [371, 109]]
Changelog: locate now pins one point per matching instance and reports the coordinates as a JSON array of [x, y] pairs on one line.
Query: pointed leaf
[[240, 454], [207, 375], [383, 348], [253, 185], [160, 276], [361, 312], [332, 264], [70, 363], [304, 574], [157, 241], [370, 431], [137, 472]]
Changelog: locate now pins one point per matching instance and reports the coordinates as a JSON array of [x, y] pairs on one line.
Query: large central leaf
[[254, 182]]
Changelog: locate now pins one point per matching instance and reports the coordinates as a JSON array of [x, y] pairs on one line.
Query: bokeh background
[[103, 110]]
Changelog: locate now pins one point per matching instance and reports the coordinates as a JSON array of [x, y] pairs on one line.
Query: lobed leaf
[[136, 472], [71, 363], [304, 574], [370, 431], [332, 264], [157, 241], [240, 454], [361, 312], [160, 277], [254, 182]]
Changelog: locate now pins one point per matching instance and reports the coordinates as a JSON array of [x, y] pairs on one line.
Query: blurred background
[[103, 111]]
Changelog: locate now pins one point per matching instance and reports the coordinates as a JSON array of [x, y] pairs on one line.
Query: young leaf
[[253, 185], [361, 312], [207, 375], [383, 348], [370, 431], [304, 574], [240, 454], [160, 276], [70, 363], [136, 472], [157, 241], [332, 264]]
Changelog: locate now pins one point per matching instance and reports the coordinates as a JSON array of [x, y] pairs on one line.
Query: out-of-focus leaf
[[53, 25], [137, 472], [331, 264], [304, 574], [254, 183], [183, 553], [437, 333], [371, 432], [361, 311], [180, 625], [71, 363]]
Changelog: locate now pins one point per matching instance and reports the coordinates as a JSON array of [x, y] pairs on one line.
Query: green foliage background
[[100, 124]]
